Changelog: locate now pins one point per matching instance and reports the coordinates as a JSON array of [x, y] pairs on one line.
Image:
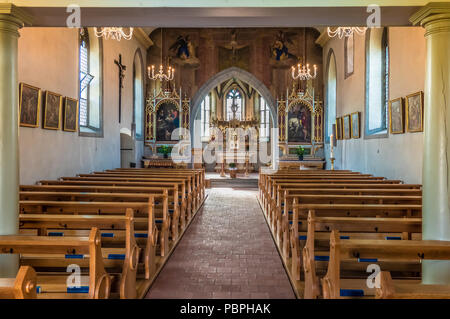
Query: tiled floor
[[227, 252]]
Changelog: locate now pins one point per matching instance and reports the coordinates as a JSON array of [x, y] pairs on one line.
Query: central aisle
[[227, 252]]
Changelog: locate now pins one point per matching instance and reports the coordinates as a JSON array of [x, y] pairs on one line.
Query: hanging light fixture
[[161, 75], [114, 33], [302, 71], [341, 32]]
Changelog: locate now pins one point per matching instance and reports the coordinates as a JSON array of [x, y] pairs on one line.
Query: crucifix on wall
[[122, 69]]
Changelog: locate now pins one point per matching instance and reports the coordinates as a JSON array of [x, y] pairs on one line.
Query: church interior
[[197, 151]]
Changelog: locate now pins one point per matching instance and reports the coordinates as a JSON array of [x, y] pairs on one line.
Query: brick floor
[[227, 252]]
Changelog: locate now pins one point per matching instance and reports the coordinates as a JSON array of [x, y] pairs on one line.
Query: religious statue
[[234, 54]]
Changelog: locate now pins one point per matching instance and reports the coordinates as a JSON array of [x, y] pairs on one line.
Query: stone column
[[435, 18], [11, 20]]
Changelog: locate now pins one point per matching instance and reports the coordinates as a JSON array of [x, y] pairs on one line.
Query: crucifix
[[122, 69]]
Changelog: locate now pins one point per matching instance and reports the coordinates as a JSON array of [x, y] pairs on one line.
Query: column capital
[[434, 17], [14, 15]]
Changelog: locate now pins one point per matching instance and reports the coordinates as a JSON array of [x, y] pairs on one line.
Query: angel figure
[[279, 48], [183, 48]]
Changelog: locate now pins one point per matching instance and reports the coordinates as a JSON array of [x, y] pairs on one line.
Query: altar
[[301, 165]]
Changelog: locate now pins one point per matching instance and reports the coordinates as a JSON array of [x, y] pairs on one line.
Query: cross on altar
[[122, 69]]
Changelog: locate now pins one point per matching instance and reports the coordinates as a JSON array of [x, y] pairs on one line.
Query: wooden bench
[[351, 228], [99, 283], [185, 199], [360, 249], [21, 287], [128, 250], [406, 290]]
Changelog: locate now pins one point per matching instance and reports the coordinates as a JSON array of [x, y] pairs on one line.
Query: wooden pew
[[185, 200], [405, 290], [189, 191], [359, 249], [99, 280], [21, 287], [128, 251], [351, 228], [174, 205]]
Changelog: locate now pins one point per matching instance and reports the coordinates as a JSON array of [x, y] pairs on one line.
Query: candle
[[332, 141]]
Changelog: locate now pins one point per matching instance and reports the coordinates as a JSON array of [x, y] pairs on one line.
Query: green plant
[[164, 149], [300, 151], [232, 165]]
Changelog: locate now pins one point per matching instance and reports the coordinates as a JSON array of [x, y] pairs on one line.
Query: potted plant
[[165, 150], [300, 152]]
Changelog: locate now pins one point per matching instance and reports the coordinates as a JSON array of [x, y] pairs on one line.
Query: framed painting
[[70, 123], [356, 124], [167, 120], [346, 127], [397, 116], [52, 110], [29, 105], [349, 55], [299, 124], [338, 128], [414, 112]]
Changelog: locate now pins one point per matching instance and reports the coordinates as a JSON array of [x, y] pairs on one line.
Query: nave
[[227, 252]]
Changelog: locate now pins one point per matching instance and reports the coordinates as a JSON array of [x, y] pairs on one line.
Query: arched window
[[138, 96], [90, 84], [264, 129], [234, 98], [205, 116], [331, 90], [377, 81]]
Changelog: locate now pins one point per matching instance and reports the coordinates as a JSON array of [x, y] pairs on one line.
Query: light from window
[[331, 96], [85, 77], [205, 115], [138, 98], [264, 129], [377, 80], [234, 97]]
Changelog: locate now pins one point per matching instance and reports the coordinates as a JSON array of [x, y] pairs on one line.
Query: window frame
[[265, 121], [383, 131], [330, 55], [203, 112], [242, 98], [138, 137], [89, 130]]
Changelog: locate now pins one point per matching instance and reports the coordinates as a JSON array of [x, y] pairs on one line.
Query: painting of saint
[[355, 117], [167, 120], [70, 115], [396, 114], [299, 124], [346, 127], [184, 51], [279, 48], [29, 103], [53, 104], [414, 112]]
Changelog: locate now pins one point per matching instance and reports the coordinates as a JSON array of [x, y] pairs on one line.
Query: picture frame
[[414, 112], [397, 116], [29, 105], [52, 111], [349, 55], [338, 128], [346, 127], [70, 115], [355, 125]]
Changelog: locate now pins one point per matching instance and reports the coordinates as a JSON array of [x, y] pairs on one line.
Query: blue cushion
[[56, 234], [78, 290], [116, 256], [302, 237], [140, 235], [352, 293], [74, 256], [392, 238], [108, 235], [322, 258], [345, 237], [367, 260]]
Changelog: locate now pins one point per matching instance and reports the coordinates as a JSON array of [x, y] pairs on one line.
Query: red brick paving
[[227, 252]]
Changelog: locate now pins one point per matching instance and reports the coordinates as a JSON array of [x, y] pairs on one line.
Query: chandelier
[[303, 71], [114, 33], [161, 75], [345, 31]]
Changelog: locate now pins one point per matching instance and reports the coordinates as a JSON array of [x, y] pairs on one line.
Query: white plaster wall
[[399, 156], [48, 59]]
